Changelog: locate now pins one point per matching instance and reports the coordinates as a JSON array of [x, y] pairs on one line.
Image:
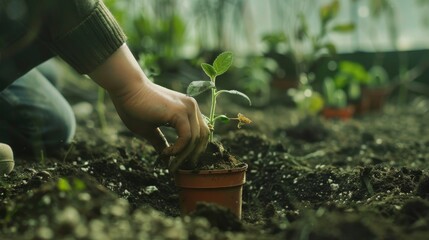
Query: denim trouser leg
[[34, 115]]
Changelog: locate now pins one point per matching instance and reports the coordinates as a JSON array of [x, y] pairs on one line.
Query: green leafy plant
[[378, 77], [350, 77], [220, 65], [334, 96], [306, 45], [306, 99]]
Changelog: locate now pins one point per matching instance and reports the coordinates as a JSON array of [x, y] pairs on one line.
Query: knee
[[59, 129]]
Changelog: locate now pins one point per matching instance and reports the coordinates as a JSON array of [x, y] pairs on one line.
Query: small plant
[[335, 97], [220, 65], [378, 77], [306, 99], [350, 77]]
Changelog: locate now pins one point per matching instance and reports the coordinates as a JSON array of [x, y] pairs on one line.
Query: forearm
[[120, 74]]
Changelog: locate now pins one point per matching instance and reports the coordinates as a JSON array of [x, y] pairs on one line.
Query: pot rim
[[240, 168]]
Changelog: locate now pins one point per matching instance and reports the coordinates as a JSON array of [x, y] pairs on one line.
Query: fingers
[[201, 143], [184, 133], [195, 133], [198, 140]]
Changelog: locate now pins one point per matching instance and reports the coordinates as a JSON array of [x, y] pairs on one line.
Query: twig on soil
[[68, 151], [365, 179]]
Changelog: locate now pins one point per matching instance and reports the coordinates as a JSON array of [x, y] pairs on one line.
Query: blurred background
[[312, 54]]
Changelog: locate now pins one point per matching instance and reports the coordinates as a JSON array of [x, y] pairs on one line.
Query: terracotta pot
[[339, 113], [377, 97], [223, 187], [373, 99]]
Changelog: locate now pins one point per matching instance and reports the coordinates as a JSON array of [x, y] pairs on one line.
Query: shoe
[[6, 159]]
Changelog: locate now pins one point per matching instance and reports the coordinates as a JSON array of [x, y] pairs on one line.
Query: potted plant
[[217, 177], [336, 104], [367, 89], [377, 88], [351, 77], [304, 48]]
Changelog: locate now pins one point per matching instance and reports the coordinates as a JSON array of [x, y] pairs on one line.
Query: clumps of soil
[[218, 216], [414, 213], [215, 157], [423, 188], [310, 129], [87, 210], [367, 179], [244, 143]]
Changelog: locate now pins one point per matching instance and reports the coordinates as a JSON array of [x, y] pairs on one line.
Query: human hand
[[145, 109], [144, 106]]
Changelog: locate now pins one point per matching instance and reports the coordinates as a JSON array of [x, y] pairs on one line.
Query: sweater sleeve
[[91, 41]]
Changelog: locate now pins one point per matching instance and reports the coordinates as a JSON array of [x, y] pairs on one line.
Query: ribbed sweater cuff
[[91, 42]]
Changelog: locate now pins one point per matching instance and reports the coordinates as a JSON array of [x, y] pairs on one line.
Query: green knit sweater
[[82, 32]]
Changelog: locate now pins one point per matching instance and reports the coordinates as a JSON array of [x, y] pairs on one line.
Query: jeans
[[34, 116]]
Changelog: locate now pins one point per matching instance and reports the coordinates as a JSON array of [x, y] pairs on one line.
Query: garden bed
[[308, 178]]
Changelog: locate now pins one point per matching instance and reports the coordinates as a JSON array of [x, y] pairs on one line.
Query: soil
[[308, 178], [214, 157]]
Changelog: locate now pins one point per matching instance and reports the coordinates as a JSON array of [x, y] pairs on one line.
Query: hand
[[144, 106], [146, 109]]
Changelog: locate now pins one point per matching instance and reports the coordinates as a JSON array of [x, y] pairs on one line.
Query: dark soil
[[308, 178], [214, 157]]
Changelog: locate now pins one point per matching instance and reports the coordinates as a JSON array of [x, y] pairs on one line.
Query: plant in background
[[307, 47], [305, 98], [254, 76], [334, 97], [350, 77], [378, 77], [302, 47], [220, 65]]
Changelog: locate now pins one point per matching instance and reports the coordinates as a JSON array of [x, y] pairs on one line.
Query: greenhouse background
[[308, 118], [278, 39], [380, 24]]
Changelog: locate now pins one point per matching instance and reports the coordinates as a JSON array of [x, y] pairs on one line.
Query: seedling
[[220, 65]]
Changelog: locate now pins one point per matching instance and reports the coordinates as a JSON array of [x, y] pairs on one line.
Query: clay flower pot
[[220, 186], [339, 113], [372, 99]]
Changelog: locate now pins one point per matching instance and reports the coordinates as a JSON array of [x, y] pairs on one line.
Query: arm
[[92, 42], [144, 106]]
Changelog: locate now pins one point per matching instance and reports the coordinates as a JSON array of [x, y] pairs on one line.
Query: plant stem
[[212, 111]]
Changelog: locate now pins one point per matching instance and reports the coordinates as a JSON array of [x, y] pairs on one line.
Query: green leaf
[[78, 184], [209, 70], [235, 92], [222, 118], [339, 99], [344, 28], [197, 87], [329, 11], [329, 90], [354, 91], [222, 63], [63, 185]]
